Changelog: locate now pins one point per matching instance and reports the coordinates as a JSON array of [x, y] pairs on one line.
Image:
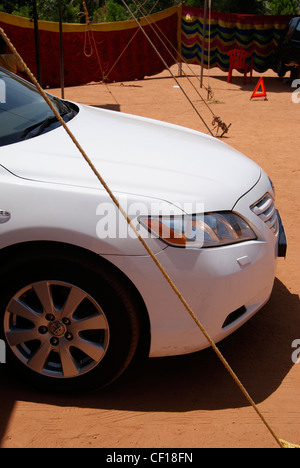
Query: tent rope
[[217, 120], [90, 34], [182, 60], [130, 41], [145, 15], [166, 65], [282, 444]]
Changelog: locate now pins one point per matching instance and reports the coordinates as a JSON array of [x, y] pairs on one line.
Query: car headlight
[[197, 231]]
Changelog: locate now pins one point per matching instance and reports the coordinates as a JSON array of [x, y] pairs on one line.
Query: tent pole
[[62, 80], [203, 41], [37, 41]]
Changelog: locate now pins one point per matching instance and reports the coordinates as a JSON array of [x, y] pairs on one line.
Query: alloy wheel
[[56, 329]]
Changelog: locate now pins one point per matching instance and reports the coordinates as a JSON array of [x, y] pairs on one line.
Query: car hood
[[136, 156]]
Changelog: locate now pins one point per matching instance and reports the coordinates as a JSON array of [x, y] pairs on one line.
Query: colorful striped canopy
[[258, 34]]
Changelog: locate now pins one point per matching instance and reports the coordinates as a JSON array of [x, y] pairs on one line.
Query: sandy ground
[[191, 401]]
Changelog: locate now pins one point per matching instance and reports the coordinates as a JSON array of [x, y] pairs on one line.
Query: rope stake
[[281, 443]]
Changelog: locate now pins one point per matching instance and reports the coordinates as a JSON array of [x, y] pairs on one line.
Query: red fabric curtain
[[116, 59]]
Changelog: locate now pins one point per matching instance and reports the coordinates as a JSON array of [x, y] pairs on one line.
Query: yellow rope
[[90, 34], [281, 443], [145, 15], [128, 44], [157, 32], [288, 445], [88, 25]]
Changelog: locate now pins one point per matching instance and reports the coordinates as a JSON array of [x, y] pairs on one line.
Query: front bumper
[[224, 286]]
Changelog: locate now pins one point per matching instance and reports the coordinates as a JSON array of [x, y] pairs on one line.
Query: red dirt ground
[[191, 401]]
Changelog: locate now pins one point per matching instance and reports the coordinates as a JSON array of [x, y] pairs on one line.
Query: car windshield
[[23, 111]]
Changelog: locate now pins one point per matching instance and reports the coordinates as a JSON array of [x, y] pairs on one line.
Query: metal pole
[[62, 79], [203, 41], [37, 41]]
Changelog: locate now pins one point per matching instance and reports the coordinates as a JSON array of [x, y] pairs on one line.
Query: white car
[[80, 295]]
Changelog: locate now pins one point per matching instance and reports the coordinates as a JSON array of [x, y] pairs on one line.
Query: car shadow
[[260, 354]]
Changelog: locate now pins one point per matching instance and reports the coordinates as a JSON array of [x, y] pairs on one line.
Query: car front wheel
[[67, 327]]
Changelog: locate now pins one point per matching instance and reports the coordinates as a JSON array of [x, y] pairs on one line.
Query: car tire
[[281, 68], [69, 325]]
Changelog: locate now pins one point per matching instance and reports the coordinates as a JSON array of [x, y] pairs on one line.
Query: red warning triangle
[[256, 93]]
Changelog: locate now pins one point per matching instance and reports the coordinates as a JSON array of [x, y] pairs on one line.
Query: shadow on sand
[[259, 352]]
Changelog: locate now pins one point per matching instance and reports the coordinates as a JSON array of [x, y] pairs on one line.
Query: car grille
[[265, 210]]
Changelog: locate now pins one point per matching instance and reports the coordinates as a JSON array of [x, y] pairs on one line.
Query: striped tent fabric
[[258, 34], [124, 53]]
